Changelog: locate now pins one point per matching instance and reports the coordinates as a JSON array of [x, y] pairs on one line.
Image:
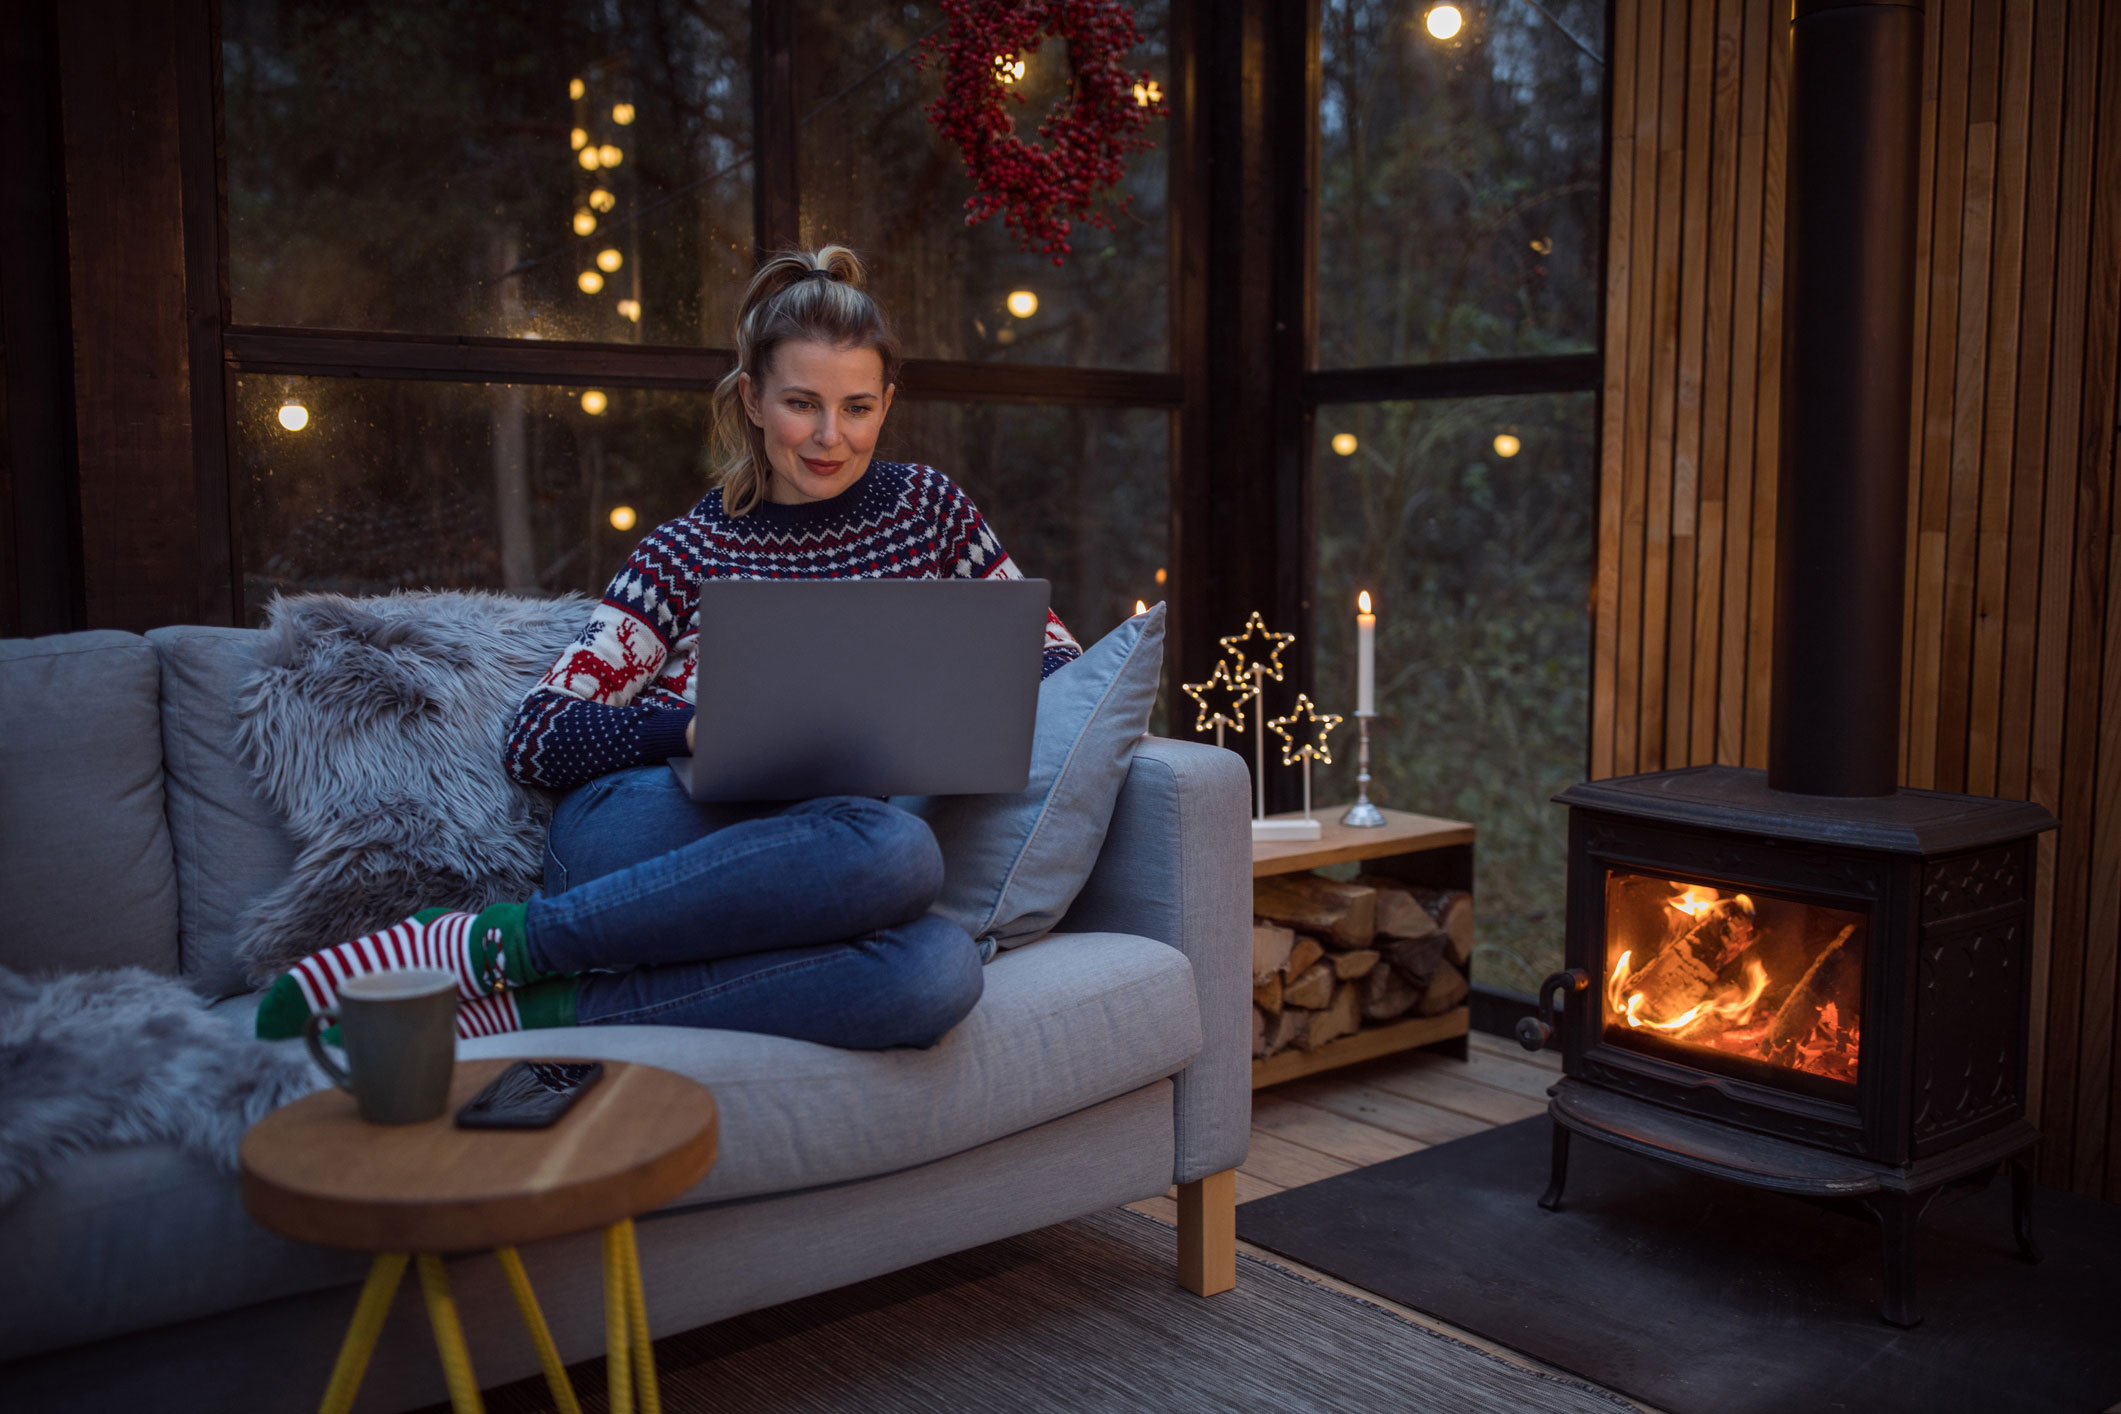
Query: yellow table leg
[[361, 1333], [449, 1337], [651, 1397], [618, 1363], [540, 1333]]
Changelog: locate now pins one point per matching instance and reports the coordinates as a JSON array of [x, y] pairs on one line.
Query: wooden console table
[[1416, 849]]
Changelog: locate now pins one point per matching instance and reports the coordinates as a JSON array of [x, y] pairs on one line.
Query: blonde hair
[[797, 294]]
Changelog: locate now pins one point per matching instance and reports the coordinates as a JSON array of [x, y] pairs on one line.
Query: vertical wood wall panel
[[2012, 655]]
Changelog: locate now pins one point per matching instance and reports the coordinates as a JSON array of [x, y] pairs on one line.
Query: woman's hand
[[688, 736]]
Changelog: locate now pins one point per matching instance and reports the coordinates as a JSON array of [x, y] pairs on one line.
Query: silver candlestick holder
[[1362, 814]]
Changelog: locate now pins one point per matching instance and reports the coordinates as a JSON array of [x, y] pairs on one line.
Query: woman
[[808, 920]]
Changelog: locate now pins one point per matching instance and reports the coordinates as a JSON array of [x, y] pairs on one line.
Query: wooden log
[[1836, 973], [1270, 947], [1387, 995], [1682, 975], [1267, 995], [1453, 911], [1447, 989], [1399, 914], [1259, 1034], [1306, 952], [1312, 990], [1342, 916], [1288, 1029], [1352, 966], [1339, 1017], [1415, 959]]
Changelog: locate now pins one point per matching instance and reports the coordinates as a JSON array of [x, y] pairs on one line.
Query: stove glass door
[[1736, 980]]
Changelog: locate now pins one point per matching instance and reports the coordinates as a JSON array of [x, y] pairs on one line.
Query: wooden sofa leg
[[1207, 1234]]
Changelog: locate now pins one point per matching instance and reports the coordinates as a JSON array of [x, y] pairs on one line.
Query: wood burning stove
[[1806, 979], [1825, 996]]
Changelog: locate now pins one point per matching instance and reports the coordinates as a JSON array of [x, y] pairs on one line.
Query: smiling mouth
[[822, 468]]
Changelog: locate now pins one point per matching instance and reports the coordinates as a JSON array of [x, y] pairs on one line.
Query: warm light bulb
[[585, 221], [1544, 245], [602, 200], [1344, 443], [590, 282], [1445, 21], [1008, 68], [1161, 576], [630, 309], [594, 402], [293, 416], [1140, 607], [622, 113], [576, 88], [577, 139], [1506, 445], [1022, 303], [1148, 95], [609, 259], [1362, 602], [610, 156], [622, 517], [588, 159]]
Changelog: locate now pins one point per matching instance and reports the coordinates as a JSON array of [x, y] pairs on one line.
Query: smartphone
[[529, 1095]]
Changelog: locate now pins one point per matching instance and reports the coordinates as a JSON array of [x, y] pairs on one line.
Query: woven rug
[[1080, 1316]]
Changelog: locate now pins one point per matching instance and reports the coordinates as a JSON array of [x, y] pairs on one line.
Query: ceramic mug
[[399, 1032]]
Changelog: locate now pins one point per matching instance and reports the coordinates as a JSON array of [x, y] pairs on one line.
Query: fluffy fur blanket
[[376, 726], [93, 1060]]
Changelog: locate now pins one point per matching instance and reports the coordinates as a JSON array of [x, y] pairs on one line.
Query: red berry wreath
[[1085, 139]]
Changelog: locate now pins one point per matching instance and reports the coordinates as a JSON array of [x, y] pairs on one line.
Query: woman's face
[[821, 408]]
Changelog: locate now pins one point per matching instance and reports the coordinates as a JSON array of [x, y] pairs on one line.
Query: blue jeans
[[807, 920]]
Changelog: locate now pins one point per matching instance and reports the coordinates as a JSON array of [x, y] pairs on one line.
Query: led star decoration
[[1220, 682], [1318, 751], [1256, 630]]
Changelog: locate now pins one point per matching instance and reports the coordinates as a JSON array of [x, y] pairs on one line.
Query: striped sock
[[483, 951], [530, 1008]]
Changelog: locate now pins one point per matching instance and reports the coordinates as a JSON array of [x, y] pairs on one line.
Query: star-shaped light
[[1256, 630], [1318, 751], [1222, 680]]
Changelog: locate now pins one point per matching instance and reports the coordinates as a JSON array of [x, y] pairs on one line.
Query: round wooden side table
[[314, 1170]]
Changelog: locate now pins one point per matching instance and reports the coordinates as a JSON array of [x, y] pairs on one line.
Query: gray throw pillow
[[1013, 863]]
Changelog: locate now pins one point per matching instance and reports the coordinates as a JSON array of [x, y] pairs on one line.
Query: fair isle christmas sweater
[[621, 693]]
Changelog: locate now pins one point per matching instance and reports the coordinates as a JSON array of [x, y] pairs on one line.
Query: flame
[[1362, 601], [1740, 1010]]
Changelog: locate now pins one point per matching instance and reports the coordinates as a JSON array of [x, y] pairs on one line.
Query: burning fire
[[1706, 983]]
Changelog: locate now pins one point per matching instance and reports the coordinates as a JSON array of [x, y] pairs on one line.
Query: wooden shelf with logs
[[1345, 970]]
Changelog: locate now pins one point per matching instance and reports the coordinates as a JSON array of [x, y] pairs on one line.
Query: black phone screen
[[529, 1095]]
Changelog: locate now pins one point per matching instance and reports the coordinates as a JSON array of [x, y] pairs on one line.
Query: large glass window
[[1459, 181], [875, 176], [564, 170], [1471, 522], [425, 485]]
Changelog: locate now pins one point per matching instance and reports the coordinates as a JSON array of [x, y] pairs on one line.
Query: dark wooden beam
[[39, 539], [347, 354], [1482, 378], [198, 59], [141, 543], [775, 165], [1193, 609]]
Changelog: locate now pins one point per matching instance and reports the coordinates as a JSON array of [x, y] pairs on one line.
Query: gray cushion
[[1076, 1019], [86, 876], [130, 1238], [1013, 863], [124, 1239], [231, 845]]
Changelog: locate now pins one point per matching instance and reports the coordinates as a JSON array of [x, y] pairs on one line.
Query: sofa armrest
[[1177, 867]]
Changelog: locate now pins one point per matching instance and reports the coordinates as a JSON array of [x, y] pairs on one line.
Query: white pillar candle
[[1365, 657]]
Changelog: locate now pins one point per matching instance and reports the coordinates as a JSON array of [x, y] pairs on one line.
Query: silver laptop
[[865, 687]]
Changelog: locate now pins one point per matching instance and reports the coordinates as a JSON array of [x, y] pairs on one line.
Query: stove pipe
[[1848, 333]]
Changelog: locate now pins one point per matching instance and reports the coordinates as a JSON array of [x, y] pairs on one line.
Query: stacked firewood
[[1330, 958]]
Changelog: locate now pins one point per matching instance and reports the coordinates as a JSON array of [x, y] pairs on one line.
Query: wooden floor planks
[[1314, 1129]]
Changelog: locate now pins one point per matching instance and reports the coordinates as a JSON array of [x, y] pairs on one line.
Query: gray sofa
[[1104, 1063]]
